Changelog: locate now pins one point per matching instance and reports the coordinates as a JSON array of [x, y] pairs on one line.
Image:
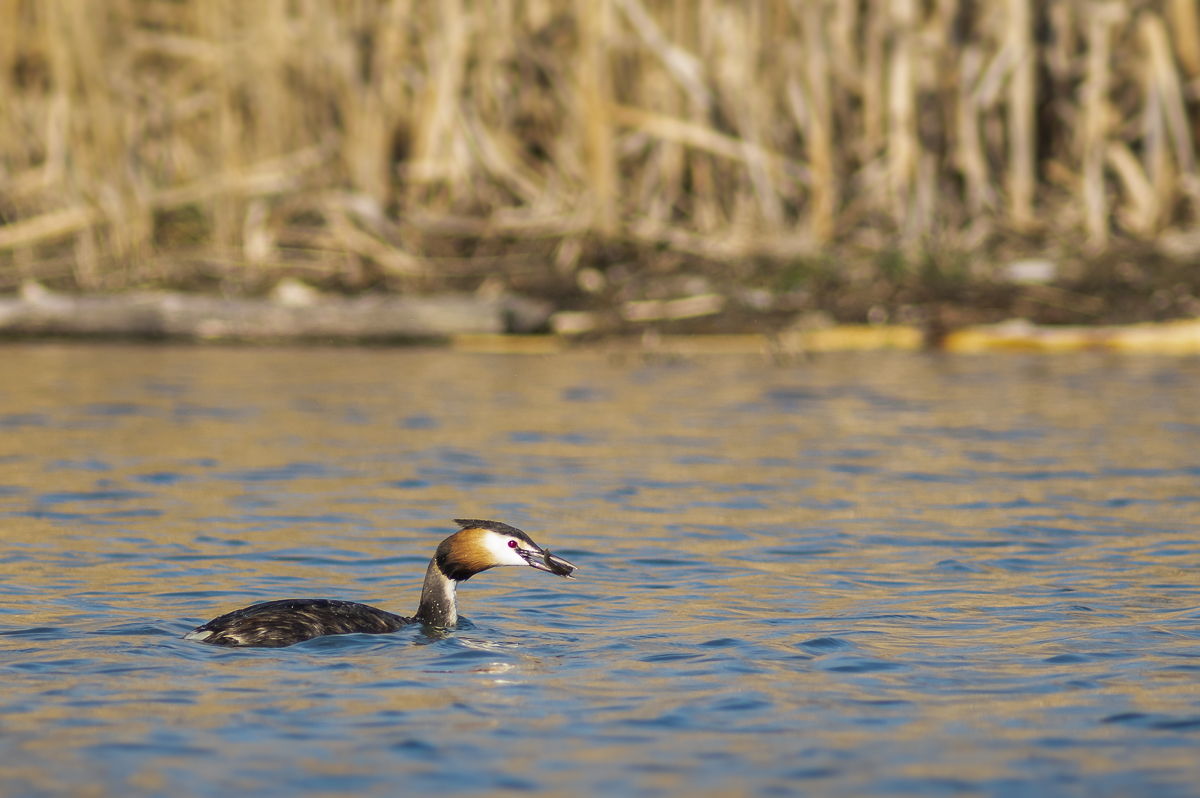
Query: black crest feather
[[495, 526]]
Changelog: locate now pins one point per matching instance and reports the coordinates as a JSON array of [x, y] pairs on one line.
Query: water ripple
[[845, 576]]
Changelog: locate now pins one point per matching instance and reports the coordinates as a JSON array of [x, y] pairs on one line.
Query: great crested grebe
[[478, 546]]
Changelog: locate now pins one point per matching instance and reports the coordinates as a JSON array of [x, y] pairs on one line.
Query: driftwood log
[[38, 312]]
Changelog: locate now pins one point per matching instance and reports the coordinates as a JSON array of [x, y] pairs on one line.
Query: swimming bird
[[476, 547]]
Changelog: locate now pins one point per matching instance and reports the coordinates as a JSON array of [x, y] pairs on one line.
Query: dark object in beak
[[545, 561]]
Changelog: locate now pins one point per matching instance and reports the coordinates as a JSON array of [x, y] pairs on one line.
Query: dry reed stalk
[[1141, 216], [708, 140], [358, 242], [1058, 54], [1021, 144], [844, 50], [684, 67], [1156, 157], [1185, 29], [818, 132], [595, 22], [258, 240], [737, 42], [49, 225], [902, 146], [873, 83], [86, 259], [716, 127], [1096, 116], [437, 156], [1169, 98], [11, 30], [662, 181], [375, 98], [972, 160], [272, 177], [500, 157], [701, 171], [216, 24], [1155, 151]]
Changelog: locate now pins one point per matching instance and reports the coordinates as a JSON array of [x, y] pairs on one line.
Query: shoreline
[[1177, 338], [508, 324]]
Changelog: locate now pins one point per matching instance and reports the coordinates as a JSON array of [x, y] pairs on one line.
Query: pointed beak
[[543, 560]]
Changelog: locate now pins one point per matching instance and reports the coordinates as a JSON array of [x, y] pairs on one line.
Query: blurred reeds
[[406, 141]]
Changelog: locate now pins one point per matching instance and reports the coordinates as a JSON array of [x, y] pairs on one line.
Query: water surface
[[885, 574]]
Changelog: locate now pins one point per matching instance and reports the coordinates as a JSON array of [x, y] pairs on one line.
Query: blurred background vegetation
[[863, 156]]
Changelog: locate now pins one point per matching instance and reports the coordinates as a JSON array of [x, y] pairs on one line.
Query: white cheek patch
[[502, 553]]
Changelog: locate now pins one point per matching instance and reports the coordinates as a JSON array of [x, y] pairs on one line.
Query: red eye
[[512, 544]]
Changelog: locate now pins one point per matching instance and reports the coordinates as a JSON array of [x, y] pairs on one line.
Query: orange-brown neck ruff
[[464, 554]]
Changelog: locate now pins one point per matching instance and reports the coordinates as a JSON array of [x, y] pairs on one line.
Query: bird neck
[[438, 605]]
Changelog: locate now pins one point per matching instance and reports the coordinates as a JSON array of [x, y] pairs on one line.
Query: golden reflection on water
[[953, 523]]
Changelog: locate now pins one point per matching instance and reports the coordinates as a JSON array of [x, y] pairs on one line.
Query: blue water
[[864, 574]]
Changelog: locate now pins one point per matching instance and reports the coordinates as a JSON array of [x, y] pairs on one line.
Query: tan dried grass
[[716, 127]]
